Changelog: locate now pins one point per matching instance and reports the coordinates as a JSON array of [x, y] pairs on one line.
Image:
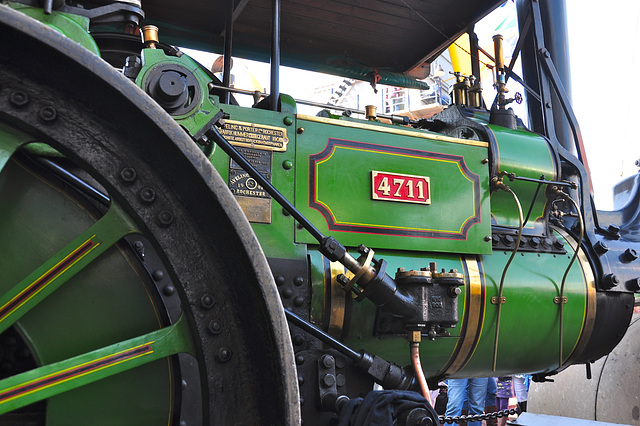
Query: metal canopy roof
[[324, 35]]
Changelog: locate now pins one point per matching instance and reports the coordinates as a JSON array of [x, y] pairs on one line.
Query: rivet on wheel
[[224, 354], [128, 175], [157, 275], [207, 301], [214, 327], [19, 98], [165, 218], [168, 290], [48, 114], [148, 195], [287, 293]]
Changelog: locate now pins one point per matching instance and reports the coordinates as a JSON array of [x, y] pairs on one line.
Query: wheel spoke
[[49, 380], [63, 265], [10, 140]]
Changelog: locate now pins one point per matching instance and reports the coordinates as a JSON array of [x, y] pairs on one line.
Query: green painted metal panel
[[527, 155], [10, 140], [73, 26], [335, 161], [531, 283], [276, 232]]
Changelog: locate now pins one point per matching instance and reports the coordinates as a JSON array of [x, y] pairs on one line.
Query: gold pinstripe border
[[473, 318]]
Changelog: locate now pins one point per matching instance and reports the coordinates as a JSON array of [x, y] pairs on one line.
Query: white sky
[[605, 64]]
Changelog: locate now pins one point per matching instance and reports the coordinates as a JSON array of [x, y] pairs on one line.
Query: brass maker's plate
[[259, 136], [400, 187]]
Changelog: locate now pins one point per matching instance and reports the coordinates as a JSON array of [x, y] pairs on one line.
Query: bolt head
[[224, 354], [328, 361], [128, 175], [215, 327], [147, 195], [328, 380], [48, 114], [207, 301], [601, 247], [19, 98], [631, 254], [165, 218]]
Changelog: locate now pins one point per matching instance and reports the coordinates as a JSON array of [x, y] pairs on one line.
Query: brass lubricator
[[149, 35], [461, 89], [500, 114], [467, 90], [475, 92], [501, 84], [370, 112]]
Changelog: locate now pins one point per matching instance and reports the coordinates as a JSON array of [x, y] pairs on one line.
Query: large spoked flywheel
[[131, 289]]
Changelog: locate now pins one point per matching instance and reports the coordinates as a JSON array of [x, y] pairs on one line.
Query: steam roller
[[171, 257]]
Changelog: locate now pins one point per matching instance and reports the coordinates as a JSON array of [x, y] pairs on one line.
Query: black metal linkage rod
[[541, 180], [228, 43], [321, 335], [275, 54], [556, 81], [75, 181], [263, 182]]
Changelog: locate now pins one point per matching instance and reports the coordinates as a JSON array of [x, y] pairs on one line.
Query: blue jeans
[[460, 390], [491, 392]]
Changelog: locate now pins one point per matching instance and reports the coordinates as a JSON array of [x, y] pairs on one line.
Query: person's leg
[[520, 388], [477, 393], [456, 393], [503, 404], [490, 405]]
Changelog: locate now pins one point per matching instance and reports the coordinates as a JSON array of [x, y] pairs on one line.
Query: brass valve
[[149, 34]]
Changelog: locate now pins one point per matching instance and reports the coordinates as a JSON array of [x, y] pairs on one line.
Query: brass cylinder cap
[[370, 112], [149, 34]]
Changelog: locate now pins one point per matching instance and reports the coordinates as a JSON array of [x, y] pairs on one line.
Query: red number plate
[[399, 187]]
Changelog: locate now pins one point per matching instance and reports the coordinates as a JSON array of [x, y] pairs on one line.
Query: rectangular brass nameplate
[[258, 136]]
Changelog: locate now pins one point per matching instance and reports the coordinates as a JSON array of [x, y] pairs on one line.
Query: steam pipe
[[275, 54]]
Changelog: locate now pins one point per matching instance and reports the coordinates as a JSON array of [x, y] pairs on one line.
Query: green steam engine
[[320, 255]]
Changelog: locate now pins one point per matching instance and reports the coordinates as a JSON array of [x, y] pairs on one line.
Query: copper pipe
[[414, 344]]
